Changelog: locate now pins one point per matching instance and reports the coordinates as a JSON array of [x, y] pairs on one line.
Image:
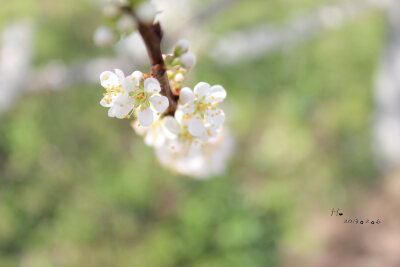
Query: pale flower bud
[[188, 59], [146, 13], [179, 77], [103, 36], [137, 75], [183, 44], [126, 24]]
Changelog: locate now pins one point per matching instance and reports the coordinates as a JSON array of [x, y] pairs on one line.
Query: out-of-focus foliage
[[247, 13], [80, 189]]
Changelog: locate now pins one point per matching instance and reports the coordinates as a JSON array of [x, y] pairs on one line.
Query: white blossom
[[132, 95], [153, 135], [200, 161], [111, 10], [126, 24], [199, 109], [146, 13]]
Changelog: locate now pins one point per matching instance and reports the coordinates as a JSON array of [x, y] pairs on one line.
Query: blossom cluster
[[190, 138], [193, 141]]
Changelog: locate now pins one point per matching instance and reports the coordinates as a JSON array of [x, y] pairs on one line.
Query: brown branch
[[152, 36]]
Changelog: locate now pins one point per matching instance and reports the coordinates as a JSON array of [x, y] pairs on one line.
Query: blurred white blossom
[[103, 36], [193, 142], [146, 12], [188, 59], [201, 160], [126, 24], [16, 51]]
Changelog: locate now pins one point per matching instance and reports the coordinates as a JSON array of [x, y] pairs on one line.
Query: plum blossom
[[146, 12], [126, 24], [199, 109], [153, 135], [133, 94], [110, 10], [103, 36], [200, 161]]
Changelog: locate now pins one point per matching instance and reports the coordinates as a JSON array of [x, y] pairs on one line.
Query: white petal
[[154, 137], [106, 101], [149, 138], [123, 99], [196, 127], [159, 102], [145, 116], [201, 89], [215, 117], [181, 118], [139, 129], [174, 146], [138, 75], [151, 85], [171, 126], [111, 112], [208, 134], [220, 117], [188, 108], [217, 93], [121, 110], [186, 95], [130, 84], [120, 74], [109, 79], [212, 131]]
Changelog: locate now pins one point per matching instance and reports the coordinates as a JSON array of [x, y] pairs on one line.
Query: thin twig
[[152, 36]]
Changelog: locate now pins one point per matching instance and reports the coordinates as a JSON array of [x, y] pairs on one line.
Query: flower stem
[[152, 35]]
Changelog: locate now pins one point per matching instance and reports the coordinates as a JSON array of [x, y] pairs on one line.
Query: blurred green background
[[80, 189]]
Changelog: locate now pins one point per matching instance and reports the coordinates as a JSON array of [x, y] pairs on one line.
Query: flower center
[[202, 106], [141, 97]]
